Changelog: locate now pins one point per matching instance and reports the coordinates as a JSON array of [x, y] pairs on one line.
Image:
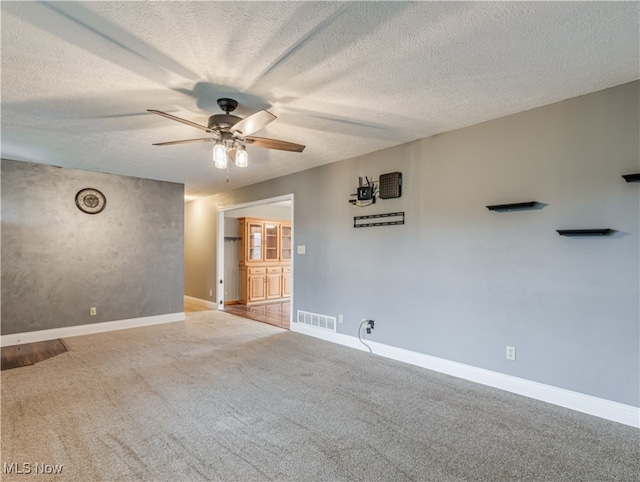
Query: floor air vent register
[[315, 320]]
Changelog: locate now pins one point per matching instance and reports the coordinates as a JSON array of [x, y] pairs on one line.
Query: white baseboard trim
[[201, 302], [599, 407], [90, 329]]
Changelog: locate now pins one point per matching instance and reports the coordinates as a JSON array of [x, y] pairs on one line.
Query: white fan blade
[[253, 123]]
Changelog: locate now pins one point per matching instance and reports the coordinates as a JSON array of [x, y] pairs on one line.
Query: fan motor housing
[[222, 121]]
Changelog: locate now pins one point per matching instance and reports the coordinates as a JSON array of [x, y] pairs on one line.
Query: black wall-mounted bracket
[[513, 206], [585, 232], [632, 177], [390, 219]]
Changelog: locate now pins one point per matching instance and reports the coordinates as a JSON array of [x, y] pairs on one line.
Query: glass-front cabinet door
[[271, 242], [285, 242], [254, 245]]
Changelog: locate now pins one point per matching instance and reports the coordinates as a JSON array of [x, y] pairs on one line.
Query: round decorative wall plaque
[[90, 201]]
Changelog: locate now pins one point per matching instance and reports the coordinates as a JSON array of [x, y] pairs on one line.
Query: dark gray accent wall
[[57, 261], [460, 282]]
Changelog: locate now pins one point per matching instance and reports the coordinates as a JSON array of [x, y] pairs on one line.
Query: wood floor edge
[[16, 356]]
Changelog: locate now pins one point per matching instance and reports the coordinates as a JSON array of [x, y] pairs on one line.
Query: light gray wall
[[57, 261], [231, 227], [231, 259], [231, 270], [460, 282], [200, 249]]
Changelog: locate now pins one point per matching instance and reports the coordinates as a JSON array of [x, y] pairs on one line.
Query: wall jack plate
[[511, 353], [369, 325]]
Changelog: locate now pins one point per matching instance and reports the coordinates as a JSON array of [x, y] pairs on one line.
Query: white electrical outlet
[[210, 292], [302, 249], [92, 311], [340, 318], [511, 353]]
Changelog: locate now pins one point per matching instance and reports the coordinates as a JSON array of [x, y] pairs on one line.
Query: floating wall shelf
[[584, 232], [631, 177], [513, 206]]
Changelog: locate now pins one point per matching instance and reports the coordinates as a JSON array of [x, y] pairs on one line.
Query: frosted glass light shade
[[219, 156], [242, 157]]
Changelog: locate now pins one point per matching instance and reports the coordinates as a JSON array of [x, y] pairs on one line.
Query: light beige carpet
[[224, 398]]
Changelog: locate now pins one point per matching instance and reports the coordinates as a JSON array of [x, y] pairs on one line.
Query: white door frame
[[220, 243]]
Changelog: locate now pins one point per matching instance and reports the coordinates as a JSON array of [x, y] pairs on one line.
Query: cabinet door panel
[[254, 245], [273, 286], [271, 242], [286, 284], [257, 288], [285, 242]]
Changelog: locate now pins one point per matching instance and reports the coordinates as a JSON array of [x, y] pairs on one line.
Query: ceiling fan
[[231, 134]]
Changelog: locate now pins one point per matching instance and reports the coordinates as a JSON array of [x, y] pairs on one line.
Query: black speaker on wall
[[390, 185]]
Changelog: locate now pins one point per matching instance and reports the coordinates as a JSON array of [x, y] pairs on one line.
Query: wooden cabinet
[[265, 250]]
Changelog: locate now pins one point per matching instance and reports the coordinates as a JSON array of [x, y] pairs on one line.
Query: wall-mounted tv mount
[[387, 187], [386, 219]]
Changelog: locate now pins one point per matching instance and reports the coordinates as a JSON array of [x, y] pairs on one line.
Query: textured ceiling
[[344, 79]]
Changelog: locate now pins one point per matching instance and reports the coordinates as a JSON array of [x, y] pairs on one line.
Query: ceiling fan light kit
[[231, 133], [242, 156], [219, 155]]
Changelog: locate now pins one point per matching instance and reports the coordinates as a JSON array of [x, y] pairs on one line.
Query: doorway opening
[[255, 249]]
